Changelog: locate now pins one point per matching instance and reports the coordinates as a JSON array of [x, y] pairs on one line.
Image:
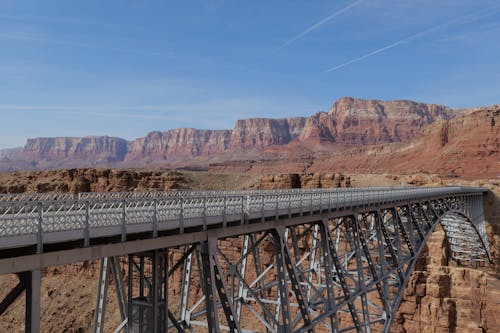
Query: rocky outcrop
[[302, 180], [182, 143], [441, 297], [90, 180], [93, 148], [466, 146]]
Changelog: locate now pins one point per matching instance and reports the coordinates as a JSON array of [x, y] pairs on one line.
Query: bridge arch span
[[280, 261]]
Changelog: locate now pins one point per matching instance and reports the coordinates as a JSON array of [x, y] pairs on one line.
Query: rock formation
[[90, 180], [350, 122], [466, 146], [440, 296], [182, 143], [91, 148], [9, 154], [302, 180]]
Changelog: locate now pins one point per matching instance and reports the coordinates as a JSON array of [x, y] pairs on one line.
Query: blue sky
[[124, 68]]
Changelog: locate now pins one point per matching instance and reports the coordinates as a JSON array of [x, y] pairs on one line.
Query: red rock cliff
[[93, 148], [354, 121], [264, 132], [178, 144]]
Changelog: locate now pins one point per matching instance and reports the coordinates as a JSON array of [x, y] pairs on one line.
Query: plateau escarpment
[[182, 143], [350, 122], [92, 148]]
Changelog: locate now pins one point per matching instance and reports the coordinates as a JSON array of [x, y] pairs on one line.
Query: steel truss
[[342, 270]]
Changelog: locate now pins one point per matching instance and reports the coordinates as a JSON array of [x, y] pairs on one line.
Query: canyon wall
[[440, 296], [182, 143], [350, 122], [91, 148]]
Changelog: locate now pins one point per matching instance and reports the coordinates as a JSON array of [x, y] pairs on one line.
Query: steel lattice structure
[[256, 261]]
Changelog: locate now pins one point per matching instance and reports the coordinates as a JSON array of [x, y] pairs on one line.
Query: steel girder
[[334, 274]]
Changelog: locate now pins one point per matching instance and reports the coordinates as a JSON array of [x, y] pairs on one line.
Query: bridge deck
[[42, 220]]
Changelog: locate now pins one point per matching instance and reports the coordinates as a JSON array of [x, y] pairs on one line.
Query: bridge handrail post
[[277, 206], [289, 196], [311, 203], [124, 221], [301, 203], [205, 212], [181, 215], [224, 217], [262, 207], [155, 218], [86, 232], [39, 240]]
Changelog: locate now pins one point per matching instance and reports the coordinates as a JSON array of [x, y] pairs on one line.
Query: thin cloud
[[66, 20], [459, 20], [27, 38], [319, 24]]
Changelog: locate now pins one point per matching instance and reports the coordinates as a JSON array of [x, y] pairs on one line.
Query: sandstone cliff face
[[441, 297], [350, 122], [359, 122], [177, 144], [302, 180], [94, 148], [264, 132], [12, 153], [466, 146], [90, 180]]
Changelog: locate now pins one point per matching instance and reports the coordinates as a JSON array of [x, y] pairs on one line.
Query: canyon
[[440, 297], [356, 143]]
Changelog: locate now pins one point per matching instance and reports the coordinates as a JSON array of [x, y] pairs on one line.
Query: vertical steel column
[[129, 294], [355, 241], [284, 301], [312, 261], [148, 312], [121, 297], [156, 284], [244, 256], [209, 290], [102, 289], [331, 306], [33, 300], [186, 282]]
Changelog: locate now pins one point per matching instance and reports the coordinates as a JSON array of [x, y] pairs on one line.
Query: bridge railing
[[52, 196], [100, 210]]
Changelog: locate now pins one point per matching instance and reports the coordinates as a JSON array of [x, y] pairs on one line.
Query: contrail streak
[[461, 19], [319, 24]]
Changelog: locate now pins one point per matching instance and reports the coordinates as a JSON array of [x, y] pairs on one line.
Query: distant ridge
[[349, 122]]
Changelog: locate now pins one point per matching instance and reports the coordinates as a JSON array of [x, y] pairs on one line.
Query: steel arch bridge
[[326, 260]]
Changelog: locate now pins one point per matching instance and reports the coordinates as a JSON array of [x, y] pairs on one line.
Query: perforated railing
[[40, 214]]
